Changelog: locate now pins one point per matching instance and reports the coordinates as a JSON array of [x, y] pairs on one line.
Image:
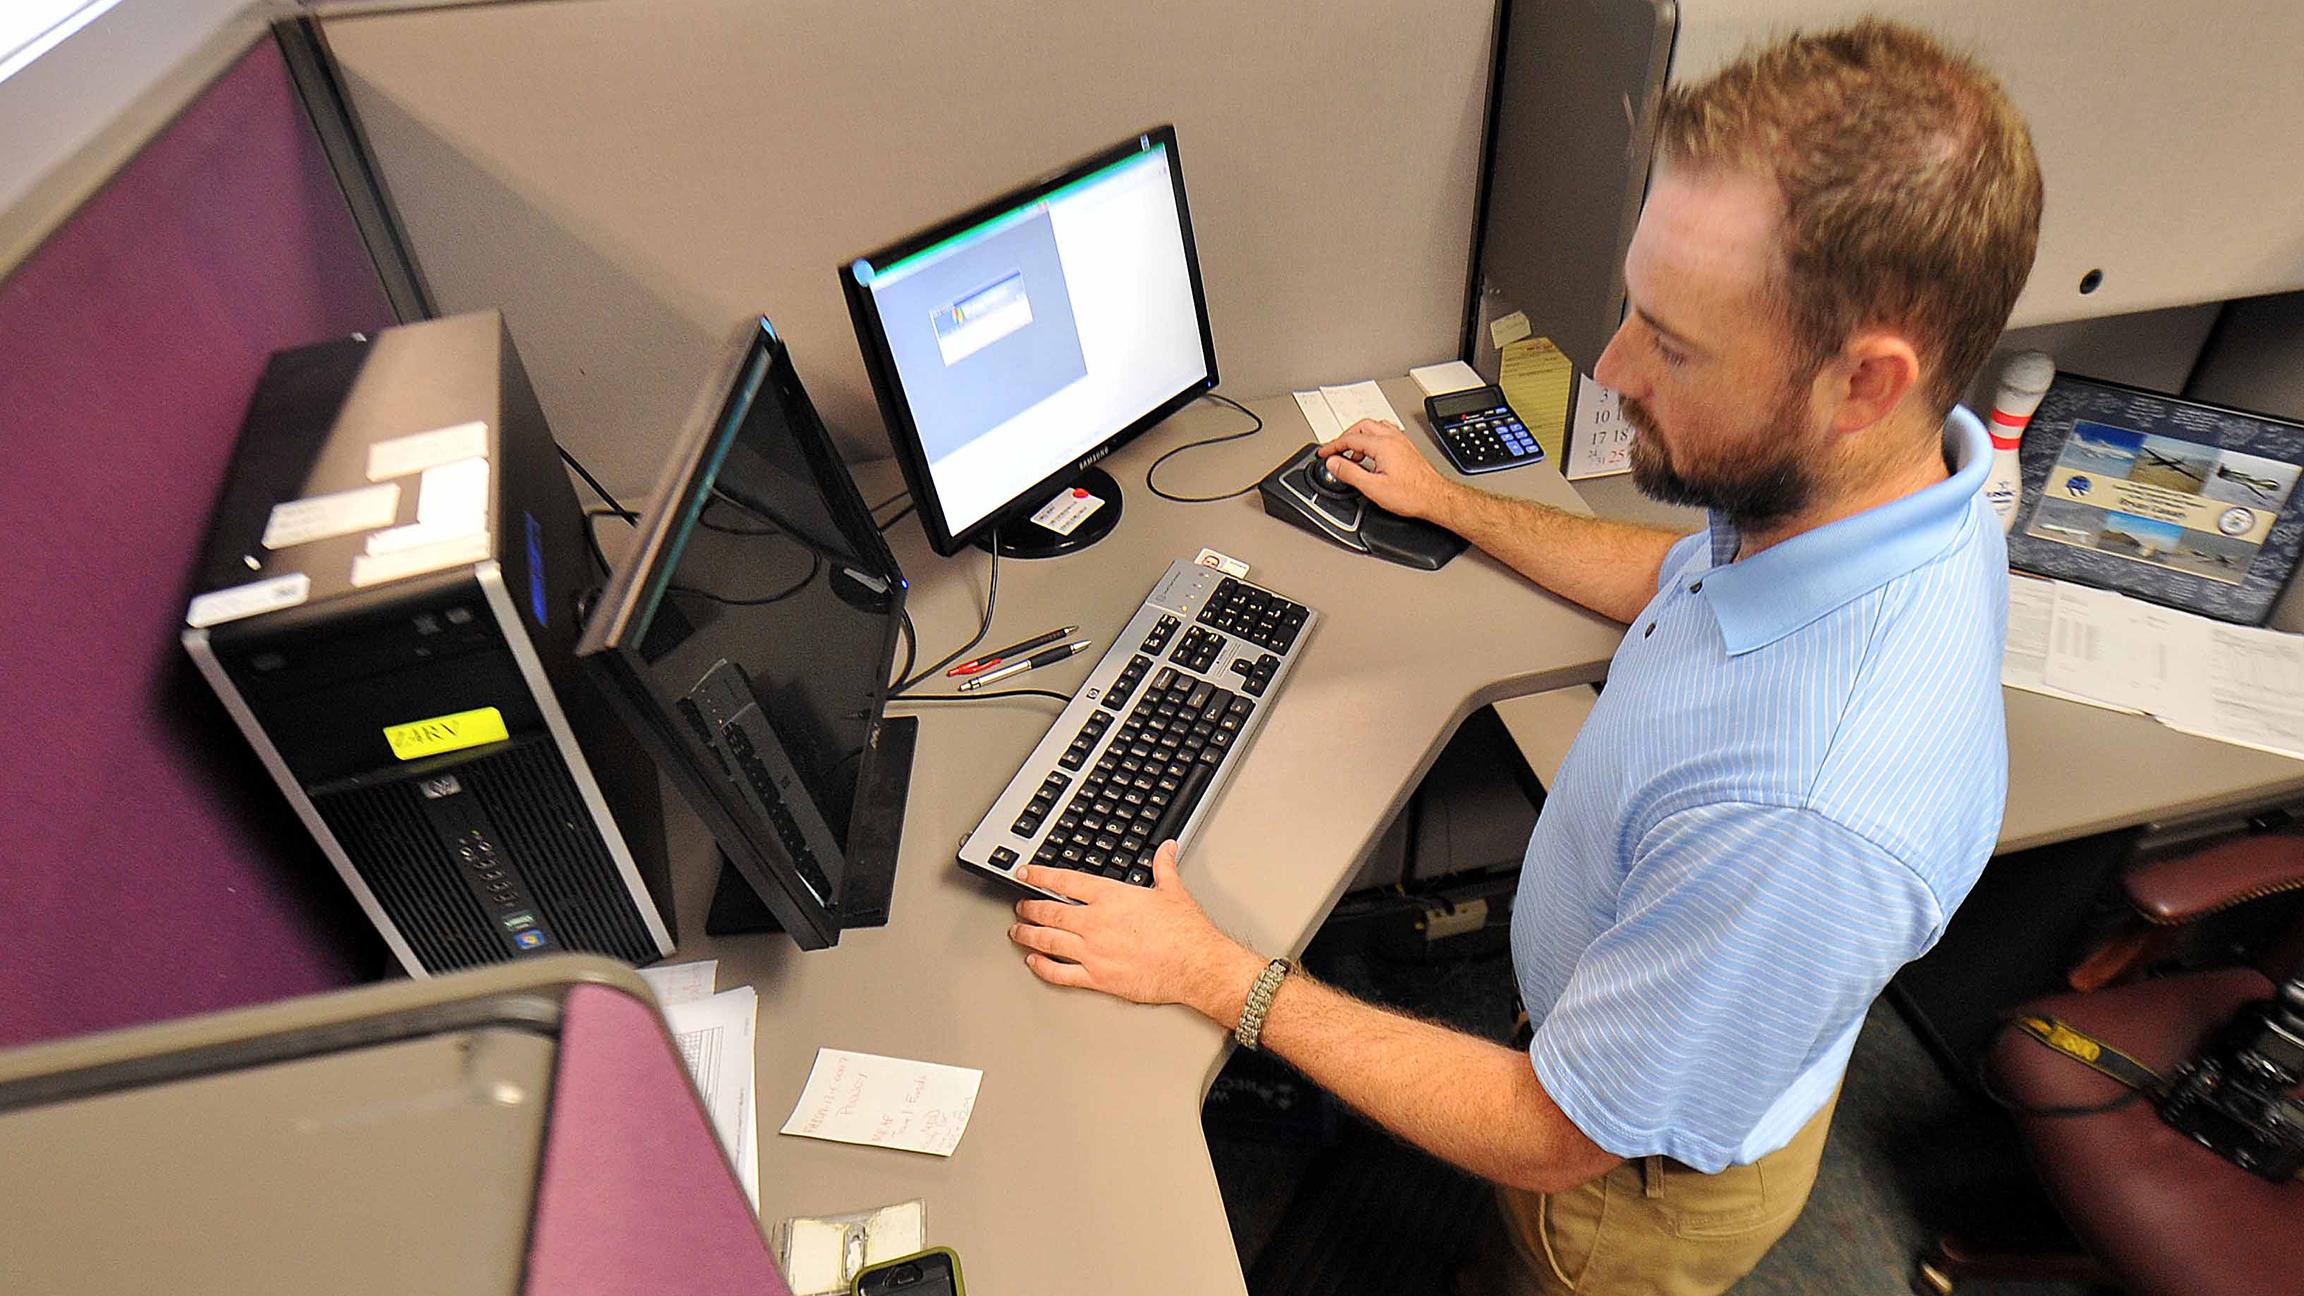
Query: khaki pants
[[1653, 1226]]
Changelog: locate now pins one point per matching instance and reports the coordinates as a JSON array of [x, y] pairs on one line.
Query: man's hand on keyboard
[[1149, 945], [1385, 466]]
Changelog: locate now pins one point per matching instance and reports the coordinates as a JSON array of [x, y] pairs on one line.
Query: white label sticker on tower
[[319, 517], [414, 453], [371, 569], [452, 501], [218, 606]]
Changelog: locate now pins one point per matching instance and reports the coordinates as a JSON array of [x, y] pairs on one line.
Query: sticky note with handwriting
[[885, 1102]]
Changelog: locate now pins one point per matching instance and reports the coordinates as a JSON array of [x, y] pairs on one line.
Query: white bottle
[[2023, 382]]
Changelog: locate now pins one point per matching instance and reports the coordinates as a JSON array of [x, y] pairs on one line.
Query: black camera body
[[2234, 1099]]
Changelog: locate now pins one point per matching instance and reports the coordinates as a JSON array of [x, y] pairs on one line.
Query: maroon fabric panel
[[635, 1197], [148, 868]]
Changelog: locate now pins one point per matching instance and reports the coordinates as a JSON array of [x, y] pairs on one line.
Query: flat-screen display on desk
[[748, 636], [1014, 345]]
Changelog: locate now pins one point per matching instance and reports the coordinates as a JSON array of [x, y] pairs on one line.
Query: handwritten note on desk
[[885, 1102]]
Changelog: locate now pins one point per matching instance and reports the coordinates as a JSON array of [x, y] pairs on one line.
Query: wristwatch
[[1251, 1026]]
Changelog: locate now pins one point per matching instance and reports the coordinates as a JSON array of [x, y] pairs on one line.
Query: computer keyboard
[[1138, 755]]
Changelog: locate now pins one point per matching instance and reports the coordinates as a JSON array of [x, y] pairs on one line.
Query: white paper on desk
[[1353, 402], [2031, 621], [1325, 428], [2251, 690], [2124, 652], [675, 983], [885, 1102], [715, 1039]]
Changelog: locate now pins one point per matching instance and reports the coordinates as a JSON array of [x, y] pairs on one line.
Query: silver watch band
[[1251, 1026]]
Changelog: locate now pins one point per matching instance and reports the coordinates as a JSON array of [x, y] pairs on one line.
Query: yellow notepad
[[1537, 379]]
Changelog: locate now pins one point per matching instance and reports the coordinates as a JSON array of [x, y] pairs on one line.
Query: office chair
[[2156, 1213]]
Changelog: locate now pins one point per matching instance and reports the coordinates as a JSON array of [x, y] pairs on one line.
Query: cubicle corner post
[[303, 46], [1467, 346], [1577, 90]]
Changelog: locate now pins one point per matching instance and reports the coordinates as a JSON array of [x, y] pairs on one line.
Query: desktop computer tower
[[388, 605]]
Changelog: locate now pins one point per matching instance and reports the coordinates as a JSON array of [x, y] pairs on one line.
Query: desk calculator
[[1479, 432]]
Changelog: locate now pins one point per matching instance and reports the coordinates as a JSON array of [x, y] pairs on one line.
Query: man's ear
[[1869, 378]]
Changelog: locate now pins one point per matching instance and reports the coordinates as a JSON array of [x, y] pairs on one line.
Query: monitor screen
[[1012, 345], [749, 634]]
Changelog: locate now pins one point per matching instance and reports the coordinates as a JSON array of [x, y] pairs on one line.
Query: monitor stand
[[1021, 537], [875, 831]]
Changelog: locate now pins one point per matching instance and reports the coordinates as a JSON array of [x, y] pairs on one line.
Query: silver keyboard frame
[[1181, 592]]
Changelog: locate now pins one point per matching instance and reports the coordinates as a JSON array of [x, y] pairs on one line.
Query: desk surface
[[1084, 1166]]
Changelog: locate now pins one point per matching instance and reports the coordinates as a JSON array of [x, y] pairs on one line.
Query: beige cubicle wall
[[625, 178], [2170, 157]]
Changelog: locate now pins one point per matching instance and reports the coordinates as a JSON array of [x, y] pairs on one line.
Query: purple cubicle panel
[[147, 867], [635, 1198]]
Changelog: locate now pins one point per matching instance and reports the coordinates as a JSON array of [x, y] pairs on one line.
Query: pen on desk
[[989, 660], [1033, 662]]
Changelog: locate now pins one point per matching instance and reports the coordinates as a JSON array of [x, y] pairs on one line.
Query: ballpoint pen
[[1036, 660], [991, 659]]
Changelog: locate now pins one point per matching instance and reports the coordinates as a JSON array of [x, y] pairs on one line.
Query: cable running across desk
[[984, 627], [1154, 487]]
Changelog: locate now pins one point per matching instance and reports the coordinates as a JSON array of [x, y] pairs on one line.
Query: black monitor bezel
[[888, 388], [609, 646]]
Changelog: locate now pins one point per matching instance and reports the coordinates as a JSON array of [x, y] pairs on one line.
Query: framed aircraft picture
[[2184, 503]]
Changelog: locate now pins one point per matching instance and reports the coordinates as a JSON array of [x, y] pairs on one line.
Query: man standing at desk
[[1798, 767]]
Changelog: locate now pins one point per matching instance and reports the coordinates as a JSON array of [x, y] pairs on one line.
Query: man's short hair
[[1911, 197]]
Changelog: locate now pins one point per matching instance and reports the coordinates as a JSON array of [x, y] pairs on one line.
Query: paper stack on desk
[[2236, 684], [715, 1035], [1331, 410]]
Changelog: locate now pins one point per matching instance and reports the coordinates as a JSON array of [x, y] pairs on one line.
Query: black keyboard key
[[1172, 819], [1002, 857], [1138, 875]]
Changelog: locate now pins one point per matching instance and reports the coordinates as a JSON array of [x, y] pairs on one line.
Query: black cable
[[704, 518], [594, 483], [991, 596], [888, 501], [600, 556], [911, 643], [1206, 441], [982, 697], [815, 569], [592, 537], [894, 518]]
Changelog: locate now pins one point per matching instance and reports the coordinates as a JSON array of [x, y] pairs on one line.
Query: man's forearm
[[1475, 1104], [1609, 567]]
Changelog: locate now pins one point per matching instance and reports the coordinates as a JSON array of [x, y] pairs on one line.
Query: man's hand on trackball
[[1386, 468]]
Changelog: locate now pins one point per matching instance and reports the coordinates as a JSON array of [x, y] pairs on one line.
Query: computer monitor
[[1014, 345], [747, 637]]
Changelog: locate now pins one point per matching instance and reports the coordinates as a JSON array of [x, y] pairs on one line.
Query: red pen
[[990, 660]]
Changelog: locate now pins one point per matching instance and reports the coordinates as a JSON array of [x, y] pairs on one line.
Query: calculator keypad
[[1488, 439]]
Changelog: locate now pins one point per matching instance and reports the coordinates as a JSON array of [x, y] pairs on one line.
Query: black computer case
[[388, 606]]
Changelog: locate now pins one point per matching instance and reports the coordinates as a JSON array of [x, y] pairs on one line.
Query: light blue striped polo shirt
[[1795, 773]]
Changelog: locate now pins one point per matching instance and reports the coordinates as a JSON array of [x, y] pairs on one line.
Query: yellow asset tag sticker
[[446, 733]]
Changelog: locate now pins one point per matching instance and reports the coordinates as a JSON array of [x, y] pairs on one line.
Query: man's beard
[[1769, 486]]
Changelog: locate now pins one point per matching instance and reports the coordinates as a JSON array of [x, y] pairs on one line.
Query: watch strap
[[1251, 1026]]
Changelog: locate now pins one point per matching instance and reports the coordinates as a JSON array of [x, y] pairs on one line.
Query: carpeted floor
[[1324, 1205]]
